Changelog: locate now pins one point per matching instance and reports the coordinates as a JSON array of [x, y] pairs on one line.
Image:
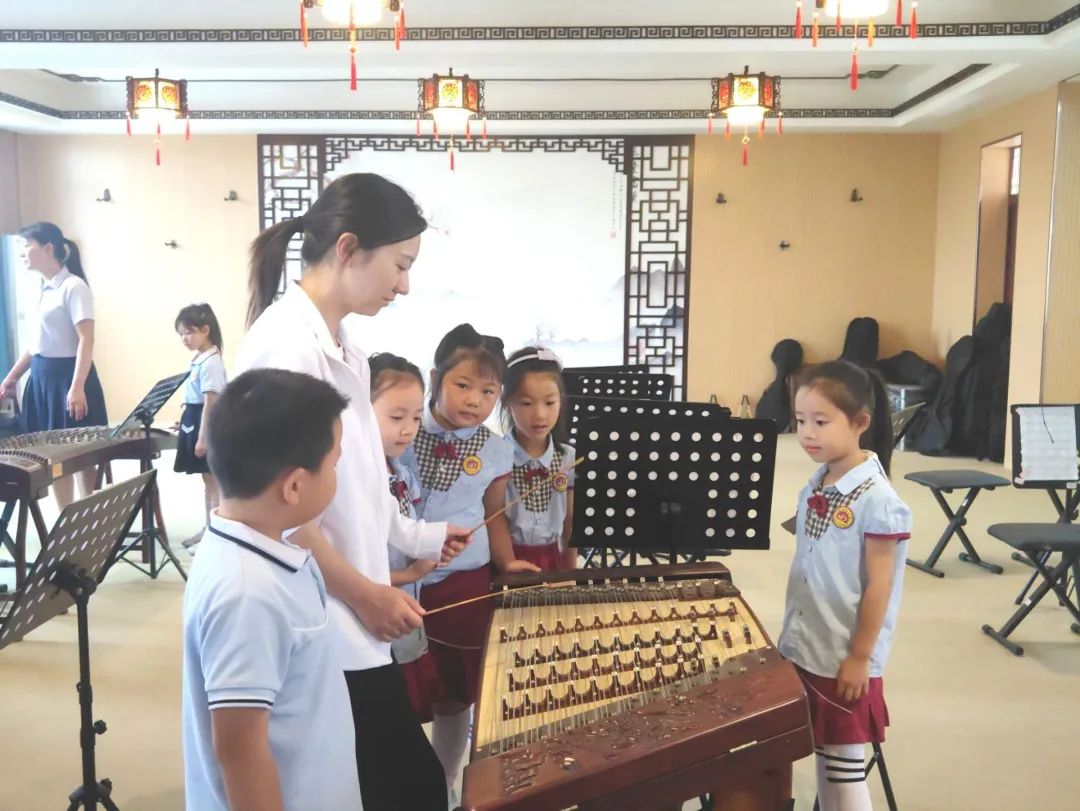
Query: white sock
[[449, 739], [841, 778]]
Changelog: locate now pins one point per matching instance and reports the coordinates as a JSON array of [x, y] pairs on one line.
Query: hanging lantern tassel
[[855, 68], [817, 28], [452, 162], [780, 123], [468, 130], [435, 128], [899, 13], [745, 150], [401, 20], [418, 126], [397, 37], [914, 19], [303, 23], [798, 19], [187, 128], [870, 32], [839, 23], [128, 117], [352, 49], [710, 123], [761, 128], [157, 147], [485, 132], [727, 129]]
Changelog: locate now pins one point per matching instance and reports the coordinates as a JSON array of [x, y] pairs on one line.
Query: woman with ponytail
[[360, 239], [63, 390]]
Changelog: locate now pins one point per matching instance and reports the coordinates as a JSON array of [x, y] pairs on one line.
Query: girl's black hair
[[463, 343], [64, 249], [197, 316], [387, 369], [853, 389], [375, 210], [515, 375]]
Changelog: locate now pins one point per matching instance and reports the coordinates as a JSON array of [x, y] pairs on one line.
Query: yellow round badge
[[560, 482], [472, 465], [843, 517]]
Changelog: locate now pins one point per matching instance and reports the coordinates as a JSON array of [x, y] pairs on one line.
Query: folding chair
[[1035, 541], [945, 481]]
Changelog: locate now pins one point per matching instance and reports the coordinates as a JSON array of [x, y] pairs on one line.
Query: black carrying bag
[[909, 369], [975, 407], [934, 433], [861, 342], [775, 402]]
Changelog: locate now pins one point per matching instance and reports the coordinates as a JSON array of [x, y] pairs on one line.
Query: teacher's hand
[[387, 612], [76, 403]]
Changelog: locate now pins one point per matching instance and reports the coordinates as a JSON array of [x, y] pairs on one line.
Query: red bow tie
[[538, 472], [819, 504], [399, 488], [445, 450]]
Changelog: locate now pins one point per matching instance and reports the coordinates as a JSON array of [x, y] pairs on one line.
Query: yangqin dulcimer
[[632, 688]]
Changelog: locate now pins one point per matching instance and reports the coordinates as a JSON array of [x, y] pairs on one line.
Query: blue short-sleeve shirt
[[207, 375], [537, 520], [828, 574], [455, 469]]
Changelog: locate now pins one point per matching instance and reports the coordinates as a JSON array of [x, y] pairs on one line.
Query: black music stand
[[695, 482], [1064, 492], [584, 408], [68, 571], [145, 540], [632, 386], [626, 368]]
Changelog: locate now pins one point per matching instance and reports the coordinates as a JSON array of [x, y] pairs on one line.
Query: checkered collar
[[431, 425], [522, 457], [853, 478], [283, 553]]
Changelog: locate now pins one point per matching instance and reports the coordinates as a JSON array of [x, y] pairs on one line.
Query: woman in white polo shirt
[[359, 240], [63, 390]]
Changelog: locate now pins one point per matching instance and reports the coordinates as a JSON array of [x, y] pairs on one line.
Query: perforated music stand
[[630, 386], [689, 483], [585, 408], [627, 368], [68, 571], [143, 416]]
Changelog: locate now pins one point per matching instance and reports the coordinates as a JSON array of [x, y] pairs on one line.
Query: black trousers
[[398, 769]]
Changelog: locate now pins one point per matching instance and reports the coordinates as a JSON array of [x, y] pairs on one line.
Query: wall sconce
[[172, 244], [232, 197], [721, 199], [785, 245], [105, 198], [855, 196]]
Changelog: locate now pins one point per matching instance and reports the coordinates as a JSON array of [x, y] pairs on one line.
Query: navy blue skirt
[[45, 396], [186, 460]]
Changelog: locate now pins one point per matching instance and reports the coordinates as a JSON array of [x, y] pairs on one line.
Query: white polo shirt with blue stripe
[[828, 574], [256, 636]]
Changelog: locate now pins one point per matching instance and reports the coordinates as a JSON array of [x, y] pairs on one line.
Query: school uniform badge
[[472, 465], [843, 517], [560, 482]]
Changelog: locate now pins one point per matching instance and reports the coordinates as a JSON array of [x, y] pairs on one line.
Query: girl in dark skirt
[[198, 329], [843, 594], [63, 390]]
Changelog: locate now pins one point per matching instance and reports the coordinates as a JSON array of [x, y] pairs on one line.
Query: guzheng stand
[[945, 481], [79, 549], [686, 480], [152, 533]]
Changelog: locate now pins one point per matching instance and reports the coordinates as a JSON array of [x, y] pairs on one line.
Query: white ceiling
[[269, 85]]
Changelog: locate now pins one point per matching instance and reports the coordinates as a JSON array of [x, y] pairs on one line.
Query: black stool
[[945, 481], [1037, 542], [876, 759]]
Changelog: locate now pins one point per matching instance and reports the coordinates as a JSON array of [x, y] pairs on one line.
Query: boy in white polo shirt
[[267, 725]]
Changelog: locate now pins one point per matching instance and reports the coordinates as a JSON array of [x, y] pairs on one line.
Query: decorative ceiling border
[[817, 113], [226, 36]]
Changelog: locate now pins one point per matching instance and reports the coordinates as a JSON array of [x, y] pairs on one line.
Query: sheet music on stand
[[1045, 449]]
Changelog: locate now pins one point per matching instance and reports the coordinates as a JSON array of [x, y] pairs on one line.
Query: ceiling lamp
[[157, 100], [451, 102], [351, 13], [745, 99]]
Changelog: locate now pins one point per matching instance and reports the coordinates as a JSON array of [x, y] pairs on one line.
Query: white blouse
[[65, 301]]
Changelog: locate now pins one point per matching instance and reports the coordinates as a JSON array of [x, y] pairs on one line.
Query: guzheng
[[632, 688], [29, 463]]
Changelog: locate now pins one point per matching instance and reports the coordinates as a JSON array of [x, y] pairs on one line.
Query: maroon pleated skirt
[[836, 722], [546, 556]]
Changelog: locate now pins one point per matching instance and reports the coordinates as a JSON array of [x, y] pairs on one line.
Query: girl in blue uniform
[[200, 333], [534, 413], [843, 594], [463, 470]]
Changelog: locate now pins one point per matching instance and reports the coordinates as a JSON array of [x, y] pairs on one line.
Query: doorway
[[999, 206]]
